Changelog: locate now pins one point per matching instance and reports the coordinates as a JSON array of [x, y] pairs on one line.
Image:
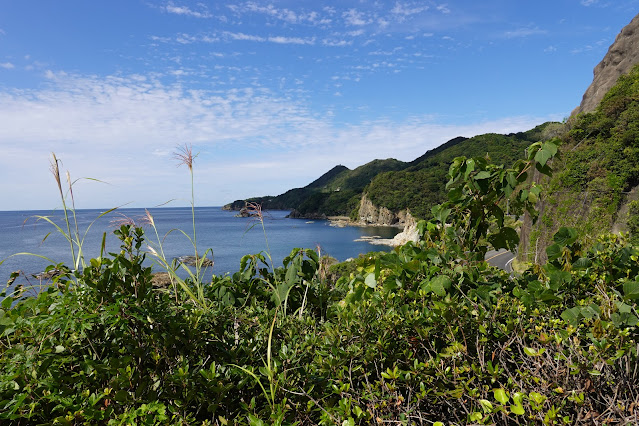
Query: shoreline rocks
[[192, 261]]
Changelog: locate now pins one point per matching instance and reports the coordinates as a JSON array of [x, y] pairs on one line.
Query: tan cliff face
[[622, 55], [370, 214]]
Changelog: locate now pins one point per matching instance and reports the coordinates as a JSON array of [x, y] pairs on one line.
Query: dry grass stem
[[184, 156], [137, 222]]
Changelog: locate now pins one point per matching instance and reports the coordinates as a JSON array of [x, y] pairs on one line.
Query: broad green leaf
[[553, 251], [517, 409], [455, 194], [370, 280], [582, 263], [506, 238], [550, 147], [486, 405], [482, 175], [631, 290], [534, 352], [501, 396], [542, 156], [440, 284], [565, 236], [292, 273], [571, 316]]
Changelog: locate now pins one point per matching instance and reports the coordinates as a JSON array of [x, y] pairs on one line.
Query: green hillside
[[396, 185], [336, 192], [594, 188], [422, 185]]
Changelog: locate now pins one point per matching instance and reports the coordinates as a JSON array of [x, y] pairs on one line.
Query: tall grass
[[69, 228], [194, 285]]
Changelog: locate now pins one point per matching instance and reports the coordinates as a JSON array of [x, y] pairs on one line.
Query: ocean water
[[229, 237]]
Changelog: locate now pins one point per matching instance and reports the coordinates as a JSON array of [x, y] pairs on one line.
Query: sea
[[30, 240]]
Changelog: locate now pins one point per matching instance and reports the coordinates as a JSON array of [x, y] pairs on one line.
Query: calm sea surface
[[228, 236]]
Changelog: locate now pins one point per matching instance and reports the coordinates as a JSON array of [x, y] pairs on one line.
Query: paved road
[[501, 259]]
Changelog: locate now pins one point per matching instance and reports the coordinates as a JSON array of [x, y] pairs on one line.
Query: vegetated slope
[[328, 177], [336, 192], [422, 185], [396, 185], [596, 178]]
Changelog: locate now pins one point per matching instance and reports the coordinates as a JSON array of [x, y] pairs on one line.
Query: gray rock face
[[370, 214], [622, 55]]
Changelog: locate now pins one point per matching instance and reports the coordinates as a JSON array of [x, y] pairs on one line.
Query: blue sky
[[272, 94]]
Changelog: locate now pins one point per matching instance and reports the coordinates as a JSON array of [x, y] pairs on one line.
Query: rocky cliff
[[370, 214], [622, 55]]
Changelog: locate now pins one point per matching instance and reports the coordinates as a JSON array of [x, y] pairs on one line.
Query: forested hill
[[422, 185], [336, 192], [396, 185]]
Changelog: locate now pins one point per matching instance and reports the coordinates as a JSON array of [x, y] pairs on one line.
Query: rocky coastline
[[367, 215]]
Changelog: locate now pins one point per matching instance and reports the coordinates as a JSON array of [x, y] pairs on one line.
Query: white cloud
[[589, 2], [286, 15], [272, 39], [242, 36], [524, 32], [7, 65], [443, 8], [185, 11], [355, 18], [336, 43], [408, 9], [291, 40]]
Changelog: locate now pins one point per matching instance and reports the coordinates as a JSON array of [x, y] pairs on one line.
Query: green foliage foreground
[[425, 334]]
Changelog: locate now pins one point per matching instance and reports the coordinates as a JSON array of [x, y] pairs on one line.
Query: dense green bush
[[598, 171], [426, 333]]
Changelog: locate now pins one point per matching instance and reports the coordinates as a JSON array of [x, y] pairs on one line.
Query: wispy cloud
[[242, 36], [525, 32], [404, 10], [355, 18], [590, 47], [186, 11], [589, 2], [7, 65], [281, 14], [443, 8], [291, 40], [336, 43]]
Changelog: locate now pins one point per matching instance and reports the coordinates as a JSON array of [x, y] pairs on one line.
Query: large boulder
[[622, 55]]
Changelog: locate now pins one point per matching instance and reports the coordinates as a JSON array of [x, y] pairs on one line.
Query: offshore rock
[[622, 55], [193, 261], [244, 212]]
